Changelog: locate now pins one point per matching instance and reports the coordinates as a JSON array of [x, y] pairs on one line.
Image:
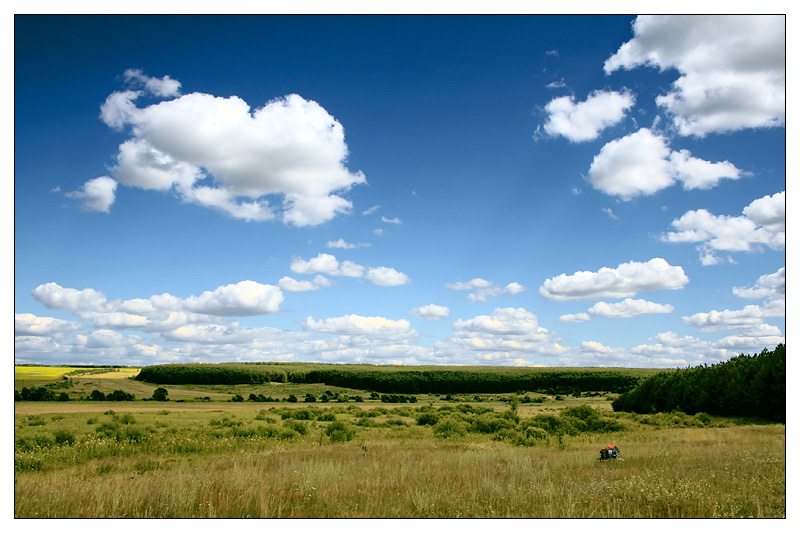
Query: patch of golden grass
[[403, 472], [122, 373]]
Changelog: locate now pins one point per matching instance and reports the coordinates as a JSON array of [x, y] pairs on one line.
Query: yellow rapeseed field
[[40, 372]]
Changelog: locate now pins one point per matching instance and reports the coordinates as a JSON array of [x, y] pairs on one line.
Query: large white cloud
[[509, 336], [165, 311], [371, 326], [622, 282], [733, 233], [503, 321], [768, 287], [217, 152], [628, 308], [583, 121], [42, 326], [240, 299], [750, 318], [641, 164], [732, 68], [328, 264], [387, 277]]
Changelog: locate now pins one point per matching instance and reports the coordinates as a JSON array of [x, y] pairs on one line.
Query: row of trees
[[747, 385], [404, 380]]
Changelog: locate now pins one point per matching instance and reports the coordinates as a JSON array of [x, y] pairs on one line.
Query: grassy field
[[218, 458]]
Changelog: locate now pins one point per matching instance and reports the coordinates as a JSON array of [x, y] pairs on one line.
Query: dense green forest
[[404, 379], [747, 385]]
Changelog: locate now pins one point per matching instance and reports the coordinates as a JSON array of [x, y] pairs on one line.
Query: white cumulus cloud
[[292, 285], [749, 319], [768, 287], [628, 308], [387, 277], [641, 164], [42, 326], [217, 152], [733, 233], [482, 290], [622, 282], [372, 326], [97, 194], [165, 311], [575, 317], [431, 312], [583, 121], [732, 68]]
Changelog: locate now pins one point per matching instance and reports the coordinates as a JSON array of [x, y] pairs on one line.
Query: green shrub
[[225, 422], [64, 437], [297, 426], [107, 429], [490, 423], [131, 434], [326, 416], [34, 420], [450, 427], [263, 414], [126, 418], [305, 413], [427, 419], [97, 396], [340, 432]]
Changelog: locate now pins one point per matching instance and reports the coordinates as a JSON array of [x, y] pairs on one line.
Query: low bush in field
[[450, 427], [340, 432], [297, 426], [427, 419], [63, 437]]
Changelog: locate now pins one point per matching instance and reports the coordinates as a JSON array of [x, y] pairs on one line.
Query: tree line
[[746, 385], [403, 379]]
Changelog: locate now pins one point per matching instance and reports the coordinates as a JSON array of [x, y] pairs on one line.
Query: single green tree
[[161, 394]]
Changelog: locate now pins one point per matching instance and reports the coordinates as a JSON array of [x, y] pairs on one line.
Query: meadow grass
[[224, 459]]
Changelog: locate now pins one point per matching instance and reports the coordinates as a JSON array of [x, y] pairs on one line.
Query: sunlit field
[[475, 456]]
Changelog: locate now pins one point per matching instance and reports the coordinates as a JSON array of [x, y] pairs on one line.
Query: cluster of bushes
[[39, 394], [398, 398], [743, 386], [402, 379], [114, 396], [261, 398], [507, 426], [329, 396]]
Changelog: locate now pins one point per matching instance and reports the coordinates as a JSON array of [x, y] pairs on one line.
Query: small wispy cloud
[[610, 213], [394, 220], [370, 210], [341, 243]]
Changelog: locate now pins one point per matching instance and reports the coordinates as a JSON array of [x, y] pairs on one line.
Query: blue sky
[[522, 190]]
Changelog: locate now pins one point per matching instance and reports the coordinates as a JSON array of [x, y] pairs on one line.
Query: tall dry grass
[[406, 472]]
